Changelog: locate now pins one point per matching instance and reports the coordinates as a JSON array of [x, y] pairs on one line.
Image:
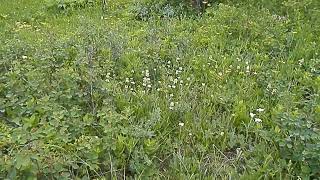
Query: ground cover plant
[[143, 89]]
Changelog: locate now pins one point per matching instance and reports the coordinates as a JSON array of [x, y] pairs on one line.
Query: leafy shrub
[[69, 4], [147, 9], [298, 139]]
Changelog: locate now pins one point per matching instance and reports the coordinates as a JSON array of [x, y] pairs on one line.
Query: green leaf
[[22, 161]]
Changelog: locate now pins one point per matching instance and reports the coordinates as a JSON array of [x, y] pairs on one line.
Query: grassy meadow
[[142, 89]]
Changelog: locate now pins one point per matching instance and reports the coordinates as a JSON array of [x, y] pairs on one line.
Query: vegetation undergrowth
[[151, 89]]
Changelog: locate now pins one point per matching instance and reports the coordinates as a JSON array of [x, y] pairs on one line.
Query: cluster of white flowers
[[179, 70], [247, 68], [253, 115], [172, 103], [146, 79], [279, 18], [175, 81], [271, 90], [108, 77], [301, 61], [129, 83]]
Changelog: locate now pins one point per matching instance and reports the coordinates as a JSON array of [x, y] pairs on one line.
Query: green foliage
[[151, 90], [298, 141], [145, 10], [69, 4]]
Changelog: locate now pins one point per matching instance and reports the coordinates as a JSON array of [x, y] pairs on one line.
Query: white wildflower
[[181, 124], [260, 110], [239, 151], [252, 115], [258, 120], [301, 61], [248, 69], [171, 105]]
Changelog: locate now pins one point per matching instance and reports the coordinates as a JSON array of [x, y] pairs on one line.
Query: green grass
[[149, 91]]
